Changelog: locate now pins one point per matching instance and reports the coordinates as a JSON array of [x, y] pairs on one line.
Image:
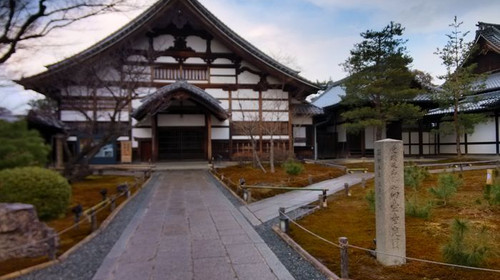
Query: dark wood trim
[[420, 138], [230, 107], [261, 120], [208, 124], [465, 143], [497, 135], [154, 137]]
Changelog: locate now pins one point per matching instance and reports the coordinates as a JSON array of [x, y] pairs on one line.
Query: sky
[[316, 34]]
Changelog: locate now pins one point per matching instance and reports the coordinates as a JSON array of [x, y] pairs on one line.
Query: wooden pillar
[[154, 137], [208, 124], [465, 144], [420, 139], [497, 136], [59, 151]]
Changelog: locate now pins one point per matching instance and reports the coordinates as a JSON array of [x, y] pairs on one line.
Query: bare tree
[[25, 20], [101, 92], [251, 126], [273, 123]]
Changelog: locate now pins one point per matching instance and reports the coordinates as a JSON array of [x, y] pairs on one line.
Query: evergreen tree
[[20, 146], [380, 81], [460, 82]]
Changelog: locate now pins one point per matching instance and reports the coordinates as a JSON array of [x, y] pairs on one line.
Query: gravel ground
[[300, 269], [82, 264]]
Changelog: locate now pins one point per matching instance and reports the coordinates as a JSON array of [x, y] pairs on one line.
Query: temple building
[[177, 84]]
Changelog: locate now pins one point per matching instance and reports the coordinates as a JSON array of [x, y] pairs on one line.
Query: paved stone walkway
[[190, 230], [267, 209]]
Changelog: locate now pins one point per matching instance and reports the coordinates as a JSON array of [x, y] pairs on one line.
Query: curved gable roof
[[490, 33], [240, 45], [161, 100]]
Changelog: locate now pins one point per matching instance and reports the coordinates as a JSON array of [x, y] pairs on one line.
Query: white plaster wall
[[216, 122], [482, 149], [140, 133], [136, 103], [406, 137], [342, 133], [194, 60], [222, 80], [245, 94], [275, 137], [181, 120], [483, 132], [245, 104], [275, 116], [104, 116], [299, 132], [75, 91], [302, 120], [123, 138], [245, 63], [163, 42], [275, 105], [248, 116], [218, 47], [222, 61], [414, 150], [449, 138], [220, 133], [137, 58], [248, 78], [196, 43], [165, 59], [273, 81], [369, 137], [275, 94], [414, 138], [72, 116], [224, 104], [222, 71], [217, 93]]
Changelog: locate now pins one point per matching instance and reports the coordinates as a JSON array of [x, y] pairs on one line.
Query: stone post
[[389, 202]]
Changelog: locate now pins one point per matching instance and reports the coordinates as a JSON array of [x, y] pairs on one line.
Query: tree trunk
[[256, 159], [457, 129]]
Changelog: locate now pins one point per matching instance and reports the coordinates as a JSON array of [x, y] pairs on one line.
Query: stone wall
[[22, 234]]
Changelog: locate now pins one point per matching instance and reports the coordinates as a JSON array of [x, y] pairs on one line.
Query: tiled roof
[[153, 11], [307, 109], [330, 96], [159, 100], [473, 103], [491, 33], [46, 120], [492, 81]]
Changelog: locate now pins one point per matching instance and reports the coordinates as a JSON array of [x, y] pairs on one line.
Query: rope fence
[[89, 216], [285, 219]]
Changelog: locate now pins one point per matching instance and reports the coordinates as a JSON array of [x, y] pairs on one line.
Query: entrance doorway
[[181, 143]]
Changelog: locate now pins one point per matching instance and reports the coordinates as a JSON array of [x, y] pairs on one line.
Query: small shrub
[[293, 168], [370, 198], [48, 191], [492, 194], [464, 248], [447, 186], [414, 209], [414, 176]]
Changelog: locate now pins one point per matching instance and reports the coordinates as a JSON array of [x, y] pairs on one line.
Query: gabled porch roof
[[162, 99]]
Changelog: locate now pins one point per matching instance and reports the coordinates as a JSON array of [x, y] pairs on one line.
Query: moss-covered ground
[[352, 218]]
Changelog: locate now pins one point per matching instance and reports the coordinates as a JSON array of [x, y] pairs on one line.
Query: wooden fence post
[[344, 258], [346, 188], [93, 220], [325, 203], [284, 222]]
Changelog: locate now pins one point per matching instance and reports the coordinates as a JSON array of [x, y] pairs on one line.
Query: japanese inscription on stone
[[389, 200]]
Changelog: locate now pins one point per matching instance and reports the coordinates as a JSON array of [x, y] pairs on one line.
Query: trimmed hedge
[[48, 191]]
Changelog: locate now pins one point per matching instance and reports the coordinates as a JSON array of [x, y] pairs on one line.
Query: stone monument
[[390, 202]]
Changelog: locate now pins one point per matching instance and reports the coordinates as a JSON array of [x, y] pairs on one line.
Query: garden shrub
[[492, 194], [370, 198], [292, 167], [48, 191], [417, 210], [414, 176], [447, 186], [465, 248]]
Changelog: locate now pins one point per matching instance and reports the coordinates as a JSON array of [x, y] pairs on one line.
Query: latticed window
[[196, 73]]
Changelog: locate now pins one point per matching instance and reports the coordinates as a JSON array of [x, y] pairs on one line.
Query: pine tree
[[380, 81], [460, 82]]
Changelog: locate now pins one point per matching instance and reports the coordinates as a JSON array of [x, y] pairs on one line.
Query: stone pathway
[[267, 209], [190, 230]]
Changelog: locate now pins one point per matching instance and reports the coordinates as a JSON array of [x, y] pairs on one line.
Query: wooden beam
[[208, 124], [154, 137]]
